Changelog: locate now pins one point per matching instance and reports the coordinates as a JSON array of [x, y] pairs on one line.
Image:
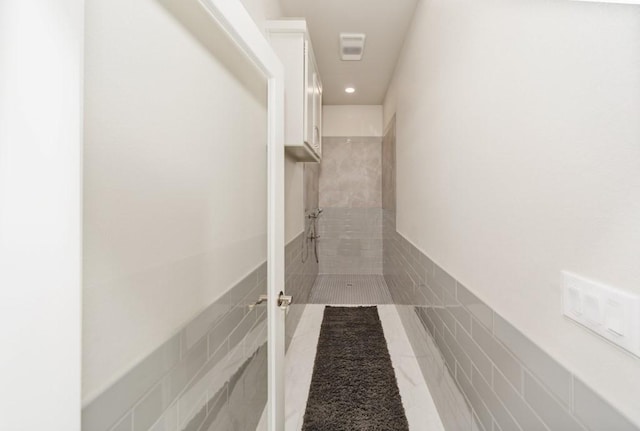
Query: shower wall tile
[[351, 172], [301, 270], [389, 166], [311, 191], [505, 381], [350, 241], [213, 372]]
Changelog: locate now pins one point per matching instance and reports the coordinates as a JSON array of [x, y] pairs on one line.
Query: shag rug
[[353, 386]]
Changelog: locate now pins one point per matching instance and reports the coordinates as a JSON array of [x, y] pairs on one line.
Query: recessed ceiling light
[[349, 90]]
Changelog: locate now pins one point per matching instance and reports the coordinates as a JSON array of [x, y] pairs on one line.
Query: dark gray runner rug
[[353, 385]]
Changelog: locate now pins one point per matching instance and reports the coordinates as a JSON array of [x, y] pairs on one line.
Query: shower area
[[355, 185]]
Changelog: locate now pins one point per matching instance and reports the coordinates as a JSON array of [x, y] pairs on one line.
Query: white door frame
[[236, 21], [41, 84]]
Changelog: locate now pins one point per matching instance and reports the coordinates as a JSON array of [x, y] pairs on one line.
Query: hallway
[[304, 215]]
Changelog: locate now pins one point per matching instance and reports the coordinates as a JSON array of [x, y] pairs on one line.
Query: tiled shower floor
[[365, 289]]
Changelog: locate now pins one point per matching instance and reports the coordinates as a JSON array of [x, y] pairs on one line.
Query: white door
[[235, 20], [40, 197]]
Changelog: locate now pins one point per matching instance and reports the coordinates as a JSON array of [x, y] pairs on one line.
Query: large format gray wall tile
[[351, 172], [351, 194]]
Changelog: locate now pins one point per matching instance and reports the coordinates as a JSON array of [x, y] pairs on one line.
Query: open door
[[236, 22]]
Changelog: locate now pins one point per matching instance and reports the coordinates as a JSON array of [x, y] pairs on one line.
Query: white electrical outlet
[[611, 313]]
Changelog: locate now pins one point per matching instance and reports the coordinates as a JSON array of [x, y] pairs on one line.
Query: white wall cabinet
[[303, 89]]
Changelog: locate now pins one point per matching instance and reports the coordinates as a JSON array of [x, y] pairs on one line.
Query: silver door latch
[[261, 299], [284, 300]]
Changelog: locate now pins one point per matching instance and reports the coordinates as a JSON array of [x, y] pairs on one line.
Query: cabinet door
[[317, 114], [309, 72]]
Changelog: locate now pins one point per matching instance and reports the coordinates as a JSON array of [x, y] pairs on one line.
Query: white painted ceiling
[[385, 22]]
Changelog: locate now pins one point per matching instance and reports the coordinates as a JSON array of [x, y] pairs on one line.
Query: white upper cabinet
[[303, 89]]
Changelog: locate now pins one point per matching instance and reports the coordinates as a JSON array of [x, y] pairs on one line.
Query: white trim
[[296, 25], [41, 120], [612, 1], [235, 20]]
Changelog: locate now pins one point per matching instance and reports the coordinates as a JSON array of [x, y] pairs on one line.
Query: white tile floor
[[419, 406]]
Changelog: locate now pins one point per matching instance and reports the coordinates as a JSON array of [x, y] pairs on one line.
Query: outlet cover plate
[[609, 312]]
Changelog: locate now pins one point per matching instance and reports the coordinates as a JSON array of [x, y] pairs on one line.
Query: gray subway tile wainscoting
[[506, 381], [301, 270], [482, 372], [212, 375]]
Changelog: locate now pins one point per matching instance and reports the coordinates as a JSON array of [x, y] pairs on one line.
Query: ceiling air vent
[[352, 46]]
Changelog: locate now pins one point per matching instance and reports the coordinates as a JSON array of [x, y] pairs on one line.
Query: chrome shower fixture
[[316, 213], [311, 235]]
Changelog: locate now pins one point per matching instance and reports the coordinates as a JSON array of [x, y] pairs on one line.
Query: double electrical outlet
[[611, 313]]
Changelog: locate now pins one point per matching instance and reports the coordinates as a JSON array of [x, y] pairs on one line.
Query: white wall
[[518, 157], [40, 164], [261, 11], [175, 181], [352, 120]]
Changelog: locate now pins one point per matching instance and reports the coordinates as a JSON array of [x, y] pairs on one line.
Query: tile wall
[[388, 164], [508, 382], [301, 270], [350, 172], [212, 375], [350, 228], [311, 184], [350, 241], [483, 373]]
